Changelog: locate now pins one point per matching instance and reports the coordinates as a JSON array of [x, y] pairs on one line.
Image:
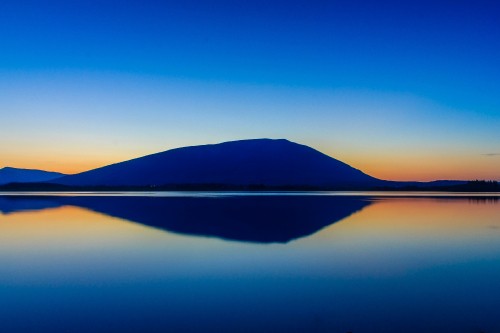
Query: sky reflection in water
[[236, 263]]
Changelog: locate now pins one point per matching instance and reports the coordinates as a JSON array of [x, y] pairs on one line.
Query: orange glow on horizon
[[397, 166], [425, 166]]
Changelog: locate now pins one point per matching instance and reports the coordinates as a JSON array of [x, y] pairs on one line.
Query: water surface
[[192, 262]]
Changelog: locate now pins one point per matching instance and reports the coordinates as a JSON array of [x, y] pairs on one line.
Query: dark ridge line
[[471, 186]]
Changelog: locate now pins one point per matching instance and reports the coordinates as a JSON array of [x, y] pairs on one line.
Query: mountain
[[257, 162], [14, 175]]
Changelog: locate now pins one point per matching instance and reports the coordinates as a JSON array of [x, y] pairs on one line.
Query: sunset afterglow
[[402, 91]]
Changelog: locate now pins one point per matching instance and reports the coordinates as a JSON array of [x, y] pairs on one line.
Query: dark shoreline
[[472, 187]]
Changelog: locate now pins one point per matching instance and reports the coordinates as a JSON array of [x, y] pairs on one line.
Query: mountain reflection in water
[[403, 263], [260, 219]]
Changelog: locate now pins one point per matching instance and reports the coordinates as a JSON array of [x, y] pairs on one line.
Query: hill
[[14, 175], [257, 162]]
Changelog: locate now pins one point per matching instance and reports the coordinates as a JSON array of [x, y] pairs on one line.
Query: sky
[[401, 90]]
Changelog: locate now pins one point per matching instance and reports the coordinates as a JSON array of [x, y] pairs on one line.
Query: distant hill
[[257, 162], [471, 186], [437, 184], [14, 175]]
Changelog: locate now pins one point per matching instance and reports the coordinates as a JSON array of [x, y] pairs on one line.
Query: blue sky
[[400, 90]]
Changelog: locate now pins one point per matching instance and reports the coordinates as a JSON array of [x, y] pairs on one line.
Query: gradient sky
[[400, 90]]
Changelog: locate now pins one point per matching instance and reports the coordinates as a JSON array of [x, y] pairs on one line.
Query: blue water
[[206, 262]]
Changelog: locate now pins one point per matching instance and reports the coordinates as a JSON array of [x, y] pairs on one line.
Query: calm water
[[203, 262]]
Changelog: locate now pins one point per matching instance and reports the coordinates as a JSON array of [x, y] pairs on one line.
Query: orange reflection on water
[[401, 234], [428, 215], [64, 228], [437, 216]]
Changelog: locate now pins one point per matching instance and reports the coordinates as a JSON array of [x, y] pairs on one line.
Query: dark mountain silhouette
[[261, 219], [436, 185], [474, 186], [258, 162], [14, 175]]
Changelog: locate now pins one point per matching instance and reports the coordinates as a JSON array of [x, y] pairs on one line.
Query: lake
[[249, 262]]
